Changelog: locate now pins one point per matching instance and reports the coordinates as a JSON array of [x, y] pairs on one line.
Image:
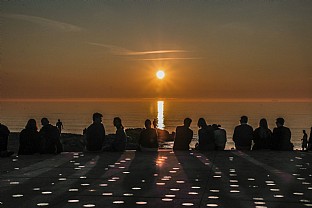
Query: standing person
[[183, 136], [304, 141], [59, 125], [4, 137], [205, 136], [219, 137], [243, 135], [281, 136], [310, 140], [95, 133], [49, 138], [29, 139], [119, 143], [262, 136], [148, 138]]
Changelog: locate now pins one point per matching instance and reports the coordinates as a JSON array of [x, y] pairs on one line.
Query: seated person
[[95, 133], [119, 143], [148, 138], [49, 138], [205, 136], [4, 137], [281, 136], [243, 135], [29, 139], [219, 137], [183, 136]]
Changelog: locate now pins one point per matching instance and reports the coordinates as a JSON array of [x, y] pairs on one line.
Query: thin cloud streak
[[163, 59], [116, 50], [44, 22]]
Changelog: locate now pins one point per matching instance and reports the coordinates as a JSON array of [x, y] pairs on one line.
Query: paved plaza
[[163, 179]]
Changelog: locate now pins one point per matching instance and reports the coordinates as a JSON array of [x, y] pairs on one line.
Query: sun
[[160, 74]]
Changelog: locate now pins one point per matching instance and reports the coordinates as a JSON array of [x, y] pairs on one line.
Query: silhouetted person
[[243, 135], [29, 139], [59, 125], [205, 136], [120, 141], [262, 136], [310, 140], [281, 136], [183, 136], [49, 138], [148, 138], [219, 137], [4, 137], [304, 140], [95, 133]]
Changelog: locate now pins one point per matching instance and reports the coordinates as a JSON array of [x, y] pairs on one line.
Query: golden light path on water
[[160, 114]]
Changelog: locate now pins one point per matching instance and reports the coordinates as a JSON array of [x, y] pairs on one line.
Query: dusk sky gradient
[[112, 49]]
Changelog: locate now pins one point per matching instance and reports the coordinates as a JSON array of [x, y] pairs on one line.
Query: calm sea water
[[170, 113]]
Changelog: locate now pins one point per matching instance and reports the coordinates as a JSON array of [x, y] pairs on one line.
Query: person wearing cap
[[49, 138], [243, 135], [95, 133], [281, 136]]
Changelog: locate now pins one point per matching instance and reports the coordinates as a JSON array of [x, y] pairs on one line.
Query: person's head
[[187, 122], [280, 122], [117, 122], [201, 123], [58, 120], [97, 117], [304, 131], [215, 126], [31, 124], [263, 123], [44, 121], [244, 120], [148, 123]]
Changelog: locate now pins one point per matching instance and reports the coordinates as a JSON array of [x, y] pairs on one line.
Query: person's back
[[262, 136], [281, 136], [220, 138], [95, 135], [29, 139], [50, 138], [206, 138], [148, 137], [59, 125], [243, 135], [183, 136], [4, 136], [120, 141]]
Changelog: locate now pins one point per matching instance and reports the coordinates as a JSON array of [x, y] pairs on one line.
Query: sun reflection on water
[[160, 114]]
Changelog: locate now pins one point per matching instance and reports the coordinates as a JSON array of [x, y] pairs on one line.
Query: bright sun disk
[[160, 74]]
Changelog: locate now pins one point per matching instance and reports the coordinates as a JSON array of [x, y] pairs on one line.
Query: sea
[[170, 113]]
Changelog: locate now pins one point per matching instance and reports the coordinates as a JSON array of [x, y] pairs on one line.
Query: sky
[[212, 49]]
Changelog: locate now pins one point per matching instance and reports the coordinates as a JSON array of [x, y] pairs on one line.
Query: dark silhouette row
[[210, 137]]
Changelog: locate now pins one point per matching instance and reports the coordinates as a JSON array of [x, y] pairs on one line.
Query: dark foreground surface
[[163, 179]]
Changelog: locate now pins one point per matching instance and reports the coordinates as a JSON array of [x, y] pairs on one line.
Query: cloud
[[44, 22], [116, 50]]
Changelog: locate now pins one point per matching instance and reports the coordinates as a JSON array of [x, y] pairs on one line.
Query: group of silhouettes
[[210, 137]]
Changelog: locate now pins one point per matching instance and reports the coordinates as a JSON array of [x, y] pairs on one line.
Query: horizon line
[[111, 99]]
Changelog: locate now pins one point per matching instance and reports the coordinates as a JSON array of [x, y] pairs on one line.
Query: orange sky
[[112, 49]]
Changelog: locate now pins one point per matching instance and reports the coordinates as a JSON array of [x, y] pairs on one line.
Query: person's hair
[[44, 121], [280, 121], [148, 123], [244, 119], [31, 124], [96, 115], [263, 123], [187, 121], [201, 122], [117, 122]]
